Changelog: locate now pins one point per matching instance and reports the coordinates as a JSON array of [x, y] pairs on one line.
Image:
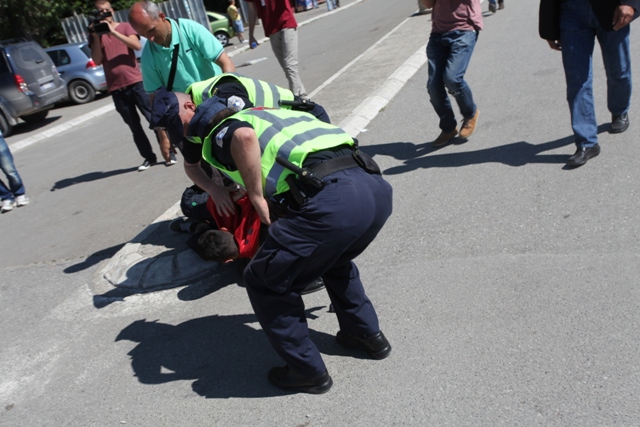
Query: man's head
[[172, 111], [175, 111], [216, 245], [146, 18], [103, 6]]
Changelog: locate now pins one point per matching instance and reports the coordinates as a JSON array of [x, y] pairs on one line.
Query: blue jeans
[[579, 28], [331, 4], [448, 55], [126, 100], [16, 188]]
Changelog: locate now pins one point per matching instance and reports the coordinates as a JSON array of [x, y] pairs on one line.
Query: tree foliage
[[39, 20]]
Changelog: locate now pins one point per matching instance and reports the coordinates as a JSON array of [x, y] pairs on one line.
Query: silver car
[[84, 78]]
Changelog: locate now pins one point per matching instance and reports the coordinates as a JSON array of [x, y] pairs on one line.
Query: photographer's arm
[[132, 41], [96, 49]]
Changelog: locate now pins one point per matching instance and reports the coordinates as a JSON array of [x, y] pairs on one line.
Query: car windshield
[[86, 50]]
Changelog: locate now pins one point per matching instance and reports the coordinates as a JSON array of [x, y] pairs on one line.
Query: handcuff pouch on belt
[[309, 180]]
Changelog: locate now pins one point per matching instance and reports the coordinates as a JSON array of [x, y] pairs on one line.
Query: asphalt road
[[507, 285]]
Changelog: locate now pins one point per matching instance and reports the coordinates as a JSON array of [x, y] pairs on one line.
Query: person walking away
[[279, 23], [571, 27], [455, 28]]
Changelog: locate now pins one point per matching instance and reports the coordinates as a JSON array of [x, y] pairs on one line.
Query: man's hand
[[429, 3], [222, 200], [622, 16], [261, 206], [554, 44]]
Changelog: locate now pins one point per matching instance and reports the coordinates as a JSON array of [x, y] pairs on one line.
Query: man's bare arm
[[225, 63], [245, 151]]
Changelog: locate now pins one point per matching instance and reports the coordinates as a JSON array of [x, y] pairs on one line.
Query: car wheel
[[5, 127], [81, 92], [35, 117], [222, 37]]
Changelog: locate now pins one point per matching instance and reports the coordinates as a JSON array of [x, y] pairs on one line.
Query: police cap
[[165, 114]]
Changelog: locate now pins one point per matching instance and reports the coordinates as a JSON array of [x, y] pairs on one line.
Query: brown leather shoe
[[444, 138], [500, 5], [469, 125]]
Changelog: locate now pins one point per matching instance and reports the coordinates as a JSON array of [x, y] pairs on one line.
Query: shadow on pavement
[[94, 259], [88, 177], [422, 156], [224, 355]]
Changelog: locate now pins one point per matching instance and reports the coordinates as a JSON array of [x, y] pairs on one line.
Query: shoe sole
[[569, 163], [378, 355], [619, 130], [315, 389]]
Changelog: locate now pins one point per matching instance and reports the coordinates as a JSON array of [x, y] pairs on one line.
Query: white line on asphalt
[[17, 146]]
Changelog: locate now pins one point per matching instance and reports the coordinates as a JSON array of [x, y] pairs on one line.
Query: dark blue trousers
[[320, 239], [126, 100]]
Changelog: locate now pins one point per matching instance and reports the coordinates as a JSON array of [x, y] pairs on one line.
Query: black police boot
[[376, 345], [314, 286], [286, 379]]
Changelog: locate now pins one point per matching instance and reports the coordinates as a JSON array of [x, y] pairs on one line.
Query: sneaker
[[172, 159], [500, 5], [22, 200], [444, 138], [8, 205], [469, 125], [181, 225], [144, 166], [492, 8]]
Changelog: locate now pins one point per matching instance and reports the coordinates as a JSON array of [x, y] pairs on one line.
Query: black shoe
[[286, 379], [376, 345], [619, 123], [582, 155], [145, 165], [314, 286]]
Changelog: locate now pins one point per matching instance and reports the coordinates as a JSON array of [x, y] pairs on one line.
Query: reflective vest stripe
[[289, 134]]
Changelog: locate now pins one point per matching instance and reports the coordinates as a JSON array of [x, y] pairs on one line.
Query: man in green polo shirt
[[200, 55]]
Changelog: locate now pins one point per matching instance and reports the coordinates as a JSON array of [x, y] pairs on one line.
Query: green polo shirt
[[197, 52]]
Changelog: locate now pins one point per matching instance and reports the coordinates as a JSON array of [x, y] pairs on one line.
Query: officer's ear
[[189, 105]]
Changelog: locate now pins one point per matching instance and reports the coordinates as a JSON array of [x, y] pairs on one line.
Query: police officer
[[241, 92], [332, 202]]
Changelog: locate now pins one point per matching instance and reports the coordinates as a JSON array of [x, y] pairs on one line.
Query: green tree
[[39, 20]]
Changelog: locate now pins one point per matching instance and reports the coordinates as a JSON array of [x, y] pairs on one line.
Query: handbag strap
[[174, 60]]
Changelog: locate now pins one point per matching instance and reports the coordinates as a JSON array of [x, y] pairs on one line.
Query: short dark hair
[[216, 245]]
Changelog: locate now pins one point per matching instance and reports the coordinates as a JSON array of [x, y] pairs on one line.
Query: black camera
[[99, 27]]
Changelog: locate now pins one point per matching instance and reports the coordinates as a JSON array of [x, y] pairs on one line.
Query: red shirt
[[451, 15], [118, 60], [276, 15], [245, 225]]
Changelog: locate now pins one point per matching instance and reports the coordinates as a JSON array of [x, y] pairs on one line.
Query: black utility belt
[[308, 181]]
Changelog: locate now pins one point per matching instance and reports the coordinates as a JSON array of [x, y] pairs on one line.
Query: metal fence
[[75, 27]]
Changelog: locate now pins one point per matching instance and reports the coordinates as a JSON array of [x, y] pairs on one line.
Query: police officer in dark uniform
[[331, 202]]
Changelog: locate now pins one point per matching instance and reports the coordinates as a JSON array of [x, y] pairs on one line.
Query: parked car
[[84, 78], [29, 83], [221, 27]]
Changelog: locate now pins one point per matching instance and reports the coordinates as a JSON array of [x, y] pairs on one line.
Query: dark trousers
[[126, 100], [320, 239]]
